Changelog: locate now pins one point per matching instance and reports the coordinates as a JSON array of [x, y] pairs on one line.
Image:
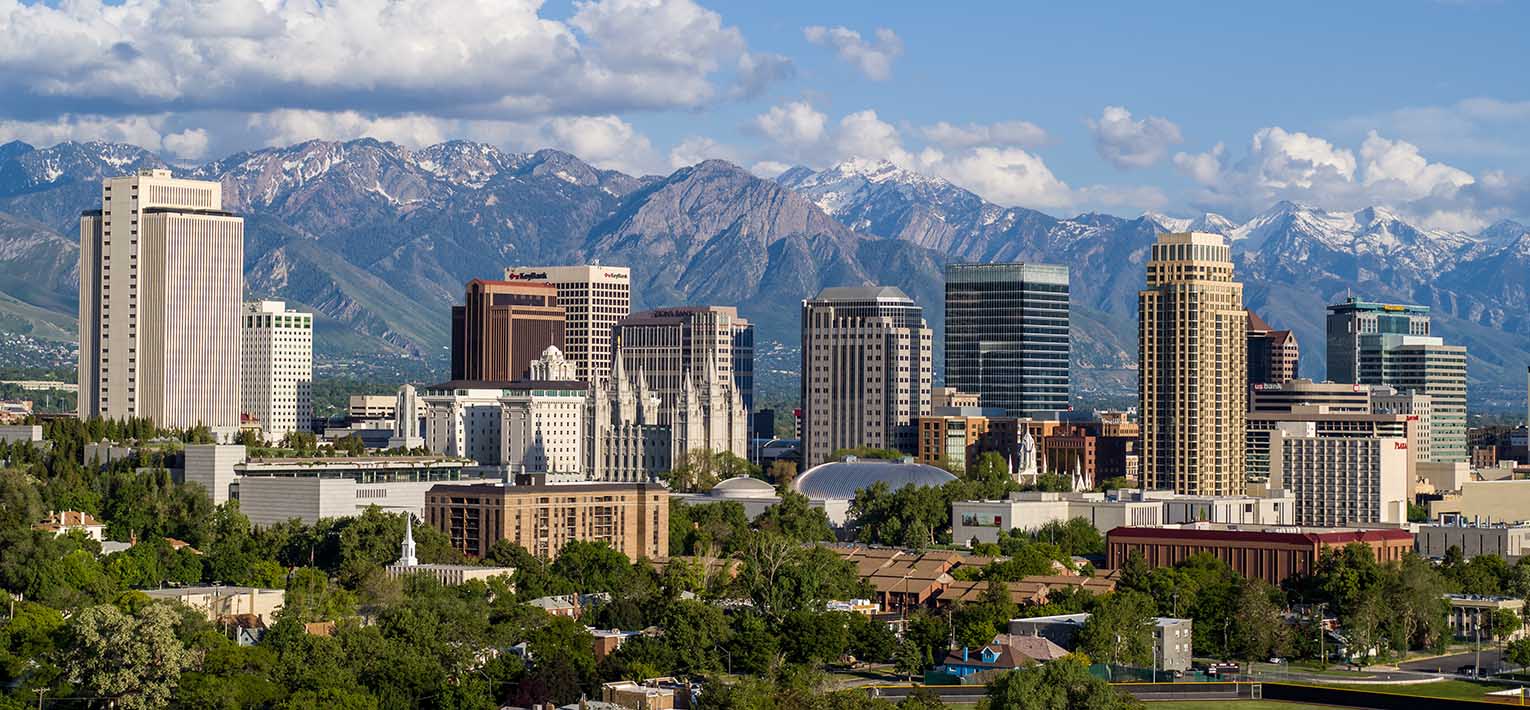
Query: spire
[[407, 558]]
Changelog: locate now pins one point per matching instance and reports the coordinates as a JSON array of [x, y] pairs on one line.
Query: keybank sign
[[527, 276]]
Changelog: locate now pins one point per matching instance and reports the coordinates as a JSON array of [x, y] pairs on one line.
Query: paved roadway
[[1449, 664]]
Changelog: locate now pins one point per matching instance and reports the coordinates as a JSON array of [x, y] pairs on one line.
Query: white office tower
[[406, 429], [276, 358], [593, 298], [161, 283], [1341, 480]]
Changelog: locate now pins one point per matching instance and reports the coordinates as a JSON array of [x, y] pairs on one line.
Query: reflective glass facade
[[1007, 335]]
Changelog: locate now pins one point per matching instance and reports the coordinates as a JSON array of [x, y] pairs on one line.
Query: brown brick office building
[[1270, 556], [633, 518]]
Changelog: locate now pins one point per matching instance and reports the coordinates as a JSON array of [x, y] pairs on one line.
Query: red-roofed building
[[1270, 554]]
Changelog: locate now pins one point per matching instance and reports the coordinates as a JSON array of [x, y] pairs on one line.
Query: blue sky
[[1420, 106]]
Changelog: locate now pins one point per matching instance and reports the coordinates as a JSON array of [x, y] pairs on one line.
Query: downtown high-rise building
[[1193, 379], [1273, 355], [699, 362], [502, 327], [276, 359], [1006, 335], [161, 288], [594, 298], [866, 371], [1389, 344]]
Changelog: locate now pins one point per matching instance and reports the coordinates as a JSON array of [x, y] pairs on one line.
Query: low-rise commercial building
[[983, 520], [1173, 645], [633, 518], [217, 602], [1506, 501], [1470, 616], [1508, 541], [275, 490], [1270, 554], [12, 433]]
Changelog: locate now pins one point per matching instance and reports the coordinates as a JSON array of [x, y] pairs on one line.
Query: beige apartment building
[[1193, 382], [161, 288], [594, 298], [276, 356], [866, 371], [633, 518]]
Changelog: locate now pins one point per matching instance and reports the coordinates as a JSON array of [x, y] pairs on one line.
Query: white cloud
[[285, 127], [696, 149], [769, 169], [1008, 176], [482, 59], [143, 131], [1297, 166], [1021, 134], [605, 141], [1129, 143], [874, 59], [793, 125], [863, 135], [189, 144], [757, 71], [1475, 127]]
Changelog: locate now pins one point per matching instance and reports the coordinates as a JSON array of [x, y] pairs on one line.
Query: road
[[1449, 664]]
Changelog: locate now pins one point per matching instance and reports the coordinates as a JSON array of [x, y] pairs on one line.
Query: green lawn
[[1442, 689]]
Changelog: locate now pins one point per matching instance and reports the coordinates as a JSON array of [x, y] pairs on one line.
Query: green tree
[[782, 472], [1518, 652], [1120, 631], [134, 661], [1063, 684], [592, 566], [1258, 629], [695, 633], [20, 503], [909, 659], [796, 518]]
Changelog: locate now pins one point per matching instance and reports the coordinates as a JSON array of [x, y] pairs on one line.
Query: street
[[1449, 664]]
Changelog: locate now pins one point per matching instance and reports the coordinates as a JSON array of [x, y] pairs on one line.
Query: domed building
[[753, 494], [833, 485]]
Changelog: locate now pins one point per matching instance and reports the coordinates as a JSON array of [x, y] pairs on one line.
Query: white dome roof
[[839, 480], [743, 487]]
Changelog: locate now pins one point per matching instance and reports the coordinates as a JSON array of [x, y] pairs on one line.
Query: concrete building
[[941, 397], [866, 370], [408, 430], [1006, 335], [594, 298], [1505, 501], [1193, 354], [1341, 480], [219, 602], [276, 355], [1340, 398], [521, 427], [1355, 326], [362, 407], [502, 327], [1173, 639], [1273, 355], [633, 518], [699, 362], [12, 433], [276, 490], [1509, 541], [1470, 616], [161, 287], [951, 441], [1320, 421], [1270, 554], [982, 520]]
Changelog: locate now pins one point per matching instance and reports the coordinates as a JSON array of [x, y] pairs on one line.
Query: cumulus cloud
[[288, 126], [769, 169], [1297, 166], [1474, 127], [793, 125], [695, 149], [481, 60], [1021, 134], [1008, 176], [874, 58], [605, 141], [864, 135], [1129, 143], [189, 144], [758, 71]]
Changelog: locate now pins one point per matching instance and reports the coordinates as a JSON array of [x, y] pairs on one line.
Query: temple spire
[[407, 558]]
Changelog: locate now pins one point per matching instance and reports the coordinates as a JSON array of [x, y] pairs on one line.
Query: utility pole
[[1477, 627]]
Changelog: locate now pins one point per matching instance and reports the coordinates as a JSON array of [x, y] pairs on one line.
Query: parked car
[[1467, 670]]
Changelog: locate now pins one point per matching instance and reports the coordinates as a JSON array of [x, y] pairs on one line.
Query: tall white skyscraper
[[161, 282], [593, 298], [276, 355]]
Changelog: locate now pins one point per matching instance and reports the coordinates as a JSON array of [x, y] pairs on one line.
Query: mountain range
[[378, 239]]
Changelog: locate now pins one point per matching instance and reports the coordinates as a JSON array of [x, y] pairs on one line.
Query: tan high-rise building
[[161, 287], [1193, 355], [593, 298], [866, 371], [502, 327]]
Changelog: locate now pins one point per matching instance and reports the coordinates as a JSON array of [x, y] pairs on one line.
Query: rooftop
[[863, 293], [1276, 534], [841, 479]]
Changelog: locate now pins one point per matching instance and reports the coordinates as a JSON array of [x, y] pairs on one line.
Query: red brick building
[[1270, 556]]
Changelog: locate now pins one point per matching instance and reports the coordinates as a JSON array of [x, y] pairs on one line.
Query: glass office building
[[1007, 335], [1356, 326]]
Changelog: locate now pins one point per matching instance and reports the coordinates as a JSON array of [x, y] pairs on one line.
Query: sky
[[1174, 107]]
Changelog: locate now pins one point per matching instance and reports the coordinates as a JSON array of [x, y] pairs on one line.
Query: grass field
[[1443, 689]]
